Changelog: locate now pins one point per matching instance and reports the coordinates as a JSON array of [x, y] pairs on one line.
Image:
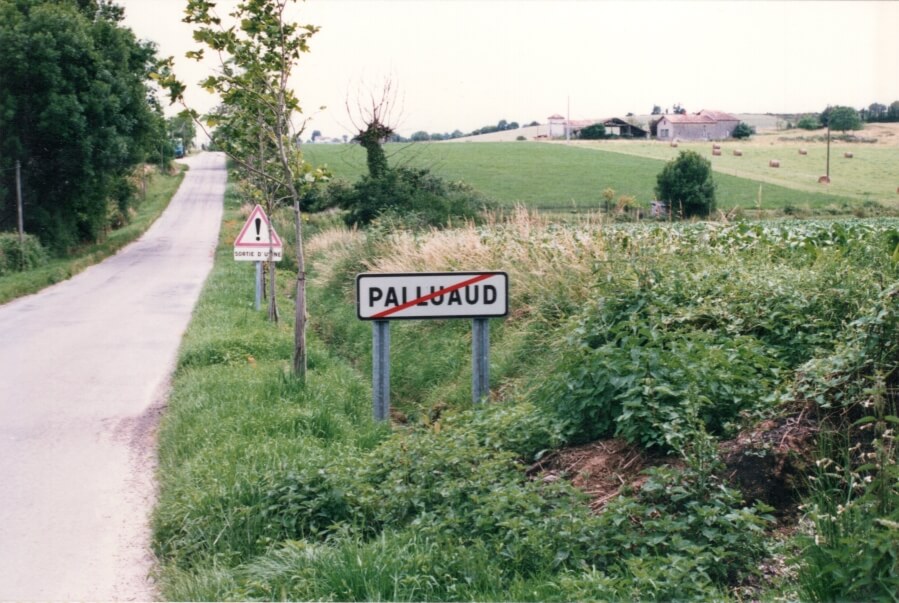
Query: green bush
[[593, 132], [409, 194], [18, 258], [743, 130], [808, 122], [686, 184]]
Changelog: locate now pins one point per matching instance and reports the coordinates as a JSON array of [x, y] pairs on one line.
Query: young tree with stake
[[257, 51]]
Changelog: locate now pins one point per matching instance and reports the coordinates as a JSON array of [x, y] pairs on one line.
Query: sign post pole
[[258, 285], [480, 359], [381, 369]]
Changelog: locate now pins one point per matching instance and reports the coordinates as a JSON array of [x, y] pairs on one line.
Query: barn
[[614, 126], [705, 125]]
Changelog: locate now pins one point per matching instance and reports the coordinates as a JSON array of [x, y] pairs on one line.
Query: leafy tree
[[893, 111], [259, 49], [876, 112], [656, 110], [678, 110], [841, 118], [593, 132], [742, 130], [808, 122], [420, 136], [76, 111], [686, 184], [182, 126]]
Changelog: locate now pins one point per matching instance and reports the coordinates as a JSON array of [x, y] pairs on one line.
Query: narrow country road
[[85, 366]]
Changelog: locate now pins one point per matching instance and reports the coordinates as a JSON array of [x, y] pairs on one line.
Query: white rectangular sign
[[393, 296]]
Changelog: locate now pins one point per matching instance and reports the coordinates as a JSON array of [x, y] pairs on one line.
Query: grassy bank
[[558, 176], [667, 339], [160, 190]]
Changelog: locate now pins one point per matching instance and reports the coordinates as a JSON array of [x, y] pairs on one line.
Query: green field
[[557, 176], [871, 174]]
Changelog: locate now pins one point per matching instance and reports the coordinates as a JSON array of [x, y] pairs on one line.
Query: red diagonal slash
[[429, 296]]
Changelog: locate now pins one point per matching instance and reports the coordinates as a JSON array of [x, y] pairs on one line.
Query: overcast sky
[[461, 64]]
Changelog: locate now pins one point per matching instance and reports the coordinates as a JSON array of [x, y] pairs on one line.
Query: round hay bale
[[823, 180], [738, 153], [803, 151], [847, 155], [715, 146], [716, 151], [775, 163]]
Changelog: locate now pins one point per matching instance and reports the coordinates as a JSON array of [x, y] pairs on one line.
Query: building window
[[663, 133]]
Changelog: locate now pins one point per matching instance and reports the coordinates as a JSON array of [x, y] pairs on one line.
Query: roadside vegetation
[[745, 369], [42, 268]]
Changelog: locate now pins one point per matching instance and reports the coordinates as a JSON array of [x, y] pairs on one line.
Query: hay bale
[[823, 180], [738, 153], [775, 163], [674, 144], [715, 146], [803, 151], [716, 151], [847, 155]]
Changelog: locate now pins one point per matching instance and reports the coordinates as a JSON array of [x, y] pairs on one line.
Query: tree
[[259, 49], [76, 111], [841, 118], [893, 111], [373, 122], [316, 134], [182, 126], [686, 184], [678, 110], [742, 130], [593, 132], [420, 136], [808, 122], [656, 110]]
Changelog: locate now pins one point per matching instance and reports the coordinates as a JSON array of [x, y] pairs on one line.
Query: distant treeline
[[501, 126]]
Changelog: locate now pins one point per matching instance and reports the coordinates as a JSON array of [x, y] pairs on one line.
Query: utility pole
[[568, 122], [21, 218], [827, 173]]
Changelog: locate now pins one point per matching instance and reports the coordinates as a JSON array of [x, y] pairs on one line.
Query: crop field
[[679, 411], [872, 174], [559, 176]]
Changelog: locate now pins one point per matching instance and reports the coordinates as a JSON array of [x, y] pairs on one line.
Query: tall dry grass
[[549, 265]]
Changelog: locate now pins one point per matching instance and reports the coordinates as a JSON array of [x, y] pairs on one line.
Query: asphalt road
[[85, 368]]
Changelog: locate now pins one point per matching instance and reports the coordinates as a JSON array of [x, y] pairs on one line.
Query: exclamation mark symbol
[[258, 227]]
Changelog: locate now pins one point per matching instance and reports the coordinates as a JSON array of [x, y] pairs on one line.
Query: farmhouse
[[614, 126], [705, 125]]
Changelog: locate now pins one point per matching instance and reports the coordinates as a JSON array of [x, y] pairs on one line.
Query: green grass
[[159, 192], [872, 174], [558, 176]]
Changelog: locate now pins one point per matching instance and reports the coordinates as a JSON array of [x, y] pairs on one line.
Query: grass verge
[[159, 192]]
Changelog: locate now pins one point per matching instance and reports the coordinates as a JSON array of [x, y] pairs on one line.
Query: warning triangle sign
[[257, 241], [256, 232]]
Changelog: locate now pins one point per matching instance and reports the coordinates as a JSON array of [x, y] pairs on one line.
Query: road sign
[[393, 296], [257, 239]]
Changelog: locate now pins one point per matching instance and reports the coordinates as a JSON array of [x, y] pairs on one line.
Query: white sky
[[463, 64]]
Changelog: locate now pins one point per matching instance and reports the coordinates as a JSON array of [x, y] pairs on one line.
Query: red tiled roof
[[677, 118], [719, 115]]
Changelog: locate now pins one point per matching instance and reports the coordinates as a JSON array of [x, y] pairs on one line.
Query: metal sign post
[[258, 285], [380, 385], [480, 359], [397, 296]]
